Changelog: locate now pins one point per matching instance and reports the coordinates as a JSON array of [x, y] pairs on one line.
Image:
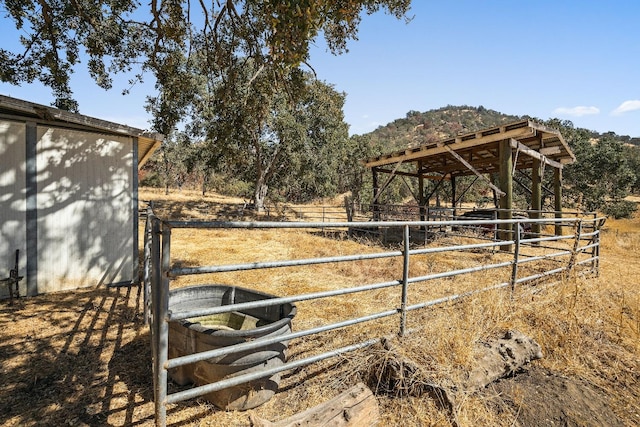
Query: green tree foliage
[[604, 172], [160, 37], [169, 166], [317, 150], [603, 175], [282, 132], [632, 154], [354, 176]]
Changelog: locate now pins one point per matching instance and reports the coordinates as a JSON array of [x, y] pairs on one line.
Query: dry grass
[[83, 358]]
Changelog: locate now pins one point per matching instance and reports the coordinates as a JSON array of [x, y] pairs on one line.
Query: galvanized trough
[[195, 335]]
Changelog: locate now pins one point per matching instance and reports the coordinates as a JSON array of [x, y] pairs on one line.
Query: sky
[[573, 60]]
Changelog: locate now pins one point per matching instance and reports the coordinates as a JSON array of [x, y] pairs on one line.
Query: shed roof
[[480, 150], [13, 108]]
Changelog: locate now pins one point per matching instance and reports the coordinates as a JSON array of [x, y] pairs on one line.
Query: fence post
[[576, 243], [494, 216], [163, 322], [146, 273], [516, 258], [158, 331], [405, 282], [595, 253]]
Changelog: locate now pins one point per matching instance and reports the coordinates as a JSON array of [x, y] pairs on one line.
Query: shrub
[[231, 186], [620, 209]]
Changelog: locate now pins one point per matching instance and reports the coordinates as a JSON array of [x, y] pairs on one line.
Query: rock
[[503, 358]]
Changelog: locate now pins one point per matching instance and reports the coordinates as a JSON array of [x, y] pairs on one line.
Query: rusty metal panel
[[85, 190], [12, 200]]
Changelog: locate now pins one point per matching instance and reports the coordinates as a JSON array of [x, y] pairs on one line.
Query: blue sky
[[575, 60]]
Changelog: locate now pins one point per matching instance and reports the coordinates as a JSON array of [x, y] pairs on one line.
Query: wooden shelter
[[499, 150], [68, 197]]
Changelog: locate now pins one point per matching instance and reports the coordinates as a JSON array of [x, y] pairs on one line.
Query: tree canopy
[[161, 37], [253, 128]]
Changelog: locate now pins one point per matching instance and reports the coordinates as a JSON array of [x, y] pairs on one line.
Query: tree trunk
[[166, 171], [260, 194], [264, 170], [206, 177]]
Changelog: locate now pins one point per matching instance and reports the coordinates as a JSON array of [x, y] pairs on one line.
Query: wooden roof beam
[[548, 151], [402, 173], [474, 170], [457, 144], [533, 153]]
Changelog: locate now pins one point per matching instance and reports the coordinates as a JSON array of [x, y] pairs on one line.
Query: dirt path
[[543, 398]]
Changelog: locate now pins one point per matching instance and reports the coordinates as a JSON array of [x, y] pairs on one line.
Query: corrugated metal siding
[[85, 188], [12, 200]]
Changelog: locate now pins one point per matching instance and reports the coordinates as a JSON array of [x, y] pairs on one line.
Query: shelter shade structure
[[499, 150]]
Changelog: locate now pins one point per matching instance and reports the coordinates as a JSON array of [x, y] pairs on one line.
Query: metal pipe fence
[[582, 250]]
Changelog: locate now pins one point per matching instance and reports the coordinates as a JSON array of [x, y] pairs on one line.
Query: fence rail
[[159, 271]]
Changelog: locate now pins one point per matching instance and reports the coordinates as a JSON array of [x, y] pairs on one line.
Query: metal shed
[[68, 197]]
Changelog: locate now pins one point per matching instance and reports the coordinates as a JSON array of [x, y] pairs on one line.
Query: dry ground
[[83, 357]]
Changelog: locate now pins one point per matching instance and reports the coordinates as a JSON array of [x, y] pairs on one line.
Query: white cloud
[[578, 111], [627, 106]]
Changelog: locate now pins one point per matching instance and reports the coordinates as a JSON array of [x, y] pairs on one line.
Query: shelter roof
[[13, 108], [480, 150]]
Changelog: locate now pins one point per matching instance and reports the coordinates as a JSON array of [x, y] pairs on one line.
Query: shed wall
[[85, 189], [12, 200]]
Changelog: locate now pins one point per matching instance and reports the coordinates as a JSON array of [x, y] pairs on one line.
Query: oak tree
[[159, 38]]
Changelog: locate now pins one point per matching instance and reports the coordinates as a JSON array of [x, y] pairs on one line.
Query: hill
[[449, 121], [437, 124]]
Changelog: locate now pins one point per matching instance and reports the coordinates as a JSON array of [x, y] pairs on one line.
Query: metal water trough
[[200, 334]]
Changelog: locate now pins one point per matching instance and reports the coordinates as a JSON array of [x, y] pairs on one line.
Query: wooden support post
[[506, 186], [376, 194], [453, 195], [557, 191], [421, 192], [536, 196]]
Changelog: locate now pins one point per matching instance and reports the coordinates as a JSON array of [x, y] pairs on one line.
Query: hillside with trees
[[607, 167], [308, 154], [434, 125]]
